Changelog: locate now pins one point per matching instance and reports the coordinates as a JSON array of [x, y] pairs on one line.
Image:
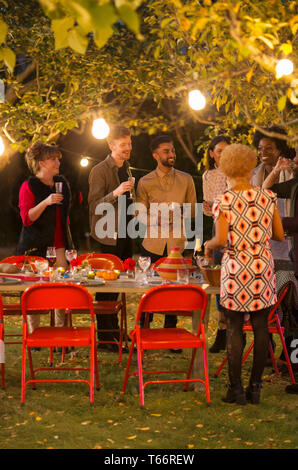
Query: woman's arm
[[29, 211], [277, 228], [35, 212], [220, 238]]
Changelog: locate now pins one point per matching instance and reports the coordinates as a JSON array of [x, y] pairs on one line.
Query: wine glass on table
[[41, 266], [144, 262], [71, 255], [51, 256]]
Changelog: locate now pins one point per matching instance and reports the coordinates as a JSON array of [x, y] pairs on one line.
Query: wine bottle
[[197, 253]]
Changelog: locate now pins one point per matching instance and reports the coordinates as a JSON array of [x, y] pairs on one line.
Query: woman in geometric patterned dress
[[246, 218]]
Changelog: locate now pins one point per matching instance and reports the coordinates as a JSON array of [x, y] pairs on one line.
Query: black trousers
[[170, 320], [235, 344], [123, 249]]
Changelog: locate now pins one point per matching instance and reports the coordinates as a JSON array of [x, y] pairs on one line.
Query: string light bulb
[[84, 162], [2, 146], [100, 129], [196, 100], [284, 67]]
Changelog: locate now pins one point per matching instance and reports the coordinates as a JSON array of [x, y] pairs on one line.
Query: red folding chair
[[70, 297], [2, 346], [274, 327], [169, 299], [14, 309], [109, 307]]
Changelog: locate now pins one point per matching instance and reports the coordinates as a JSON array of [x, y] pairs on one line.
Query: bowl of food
[[211, 274]]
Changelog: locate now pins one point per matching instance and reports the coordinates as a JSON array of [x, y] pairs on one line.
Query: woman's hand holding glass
[[54, 198]]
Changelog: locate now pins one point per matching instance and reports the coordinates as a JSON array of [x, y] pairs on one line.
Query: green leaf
[[77, 42], [281, 104], [103, 16], [286, 48], [9, 58], [102, 35], [130, 18], [61, 29], [3, 31]]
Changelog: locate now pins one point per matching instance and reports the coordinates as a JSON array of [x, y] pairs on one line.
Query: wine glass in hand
[[131, 179], [59, 189], [41, 266]]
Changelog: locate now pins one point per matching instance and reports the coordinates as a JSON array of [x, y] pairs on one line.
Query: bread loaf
[[8, 268]]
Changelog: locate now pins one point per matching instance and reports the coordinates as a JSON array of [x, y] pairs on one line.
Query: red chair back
[[173, 298], [102, 261], [50, 295]]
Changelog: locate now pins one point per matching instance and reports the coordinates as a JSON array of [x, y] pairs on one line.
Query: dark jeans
[[235, 344], [123, 250], [170, 320]]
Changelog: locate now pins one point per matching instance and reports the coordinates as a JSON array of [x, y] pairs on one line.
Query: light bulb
[[284, 67], [84, 162], [100, 129], [196, 100], [2, 146]]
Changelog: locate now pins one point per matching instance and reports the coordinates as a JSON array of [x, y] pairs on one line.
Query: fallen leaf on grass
[[38, 418], [97, 446], [249, 443], [155, 414], [131, 437], [84, 423], [190, 446], [199, 425]]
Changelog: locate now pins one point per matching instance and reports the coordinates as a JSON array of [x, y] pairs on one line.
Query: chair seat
[[168, 338], [59, 336]]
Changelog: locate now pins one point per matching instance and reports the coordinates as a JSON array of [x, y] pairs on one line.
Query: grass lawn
[[58, 416]]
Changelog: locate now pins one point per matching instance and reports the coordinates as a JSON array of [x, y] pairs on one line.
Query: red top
[[26, 202]]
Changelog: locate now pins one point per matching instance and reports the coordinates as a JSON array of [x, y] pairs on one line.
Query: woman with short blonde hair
[[246, 217]]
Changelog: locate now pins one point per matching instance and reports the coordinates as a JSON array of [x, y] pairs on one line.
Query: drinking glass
[[41, 266], [144, 262], [182, 276], [58, 188], [131, 179], [70, 255], [51, 255]]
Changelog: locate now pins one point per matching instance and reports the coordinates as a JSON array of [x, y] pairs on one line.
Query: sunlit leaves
[[3, 31]]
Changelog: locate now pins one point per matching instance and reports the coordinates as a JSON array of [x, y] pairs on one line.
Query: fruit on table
[[61, 270], [108, 275], [91, 275]]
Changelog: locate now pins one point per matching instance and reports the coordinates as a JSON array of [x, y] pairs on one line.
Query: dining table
[[14, 285]]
